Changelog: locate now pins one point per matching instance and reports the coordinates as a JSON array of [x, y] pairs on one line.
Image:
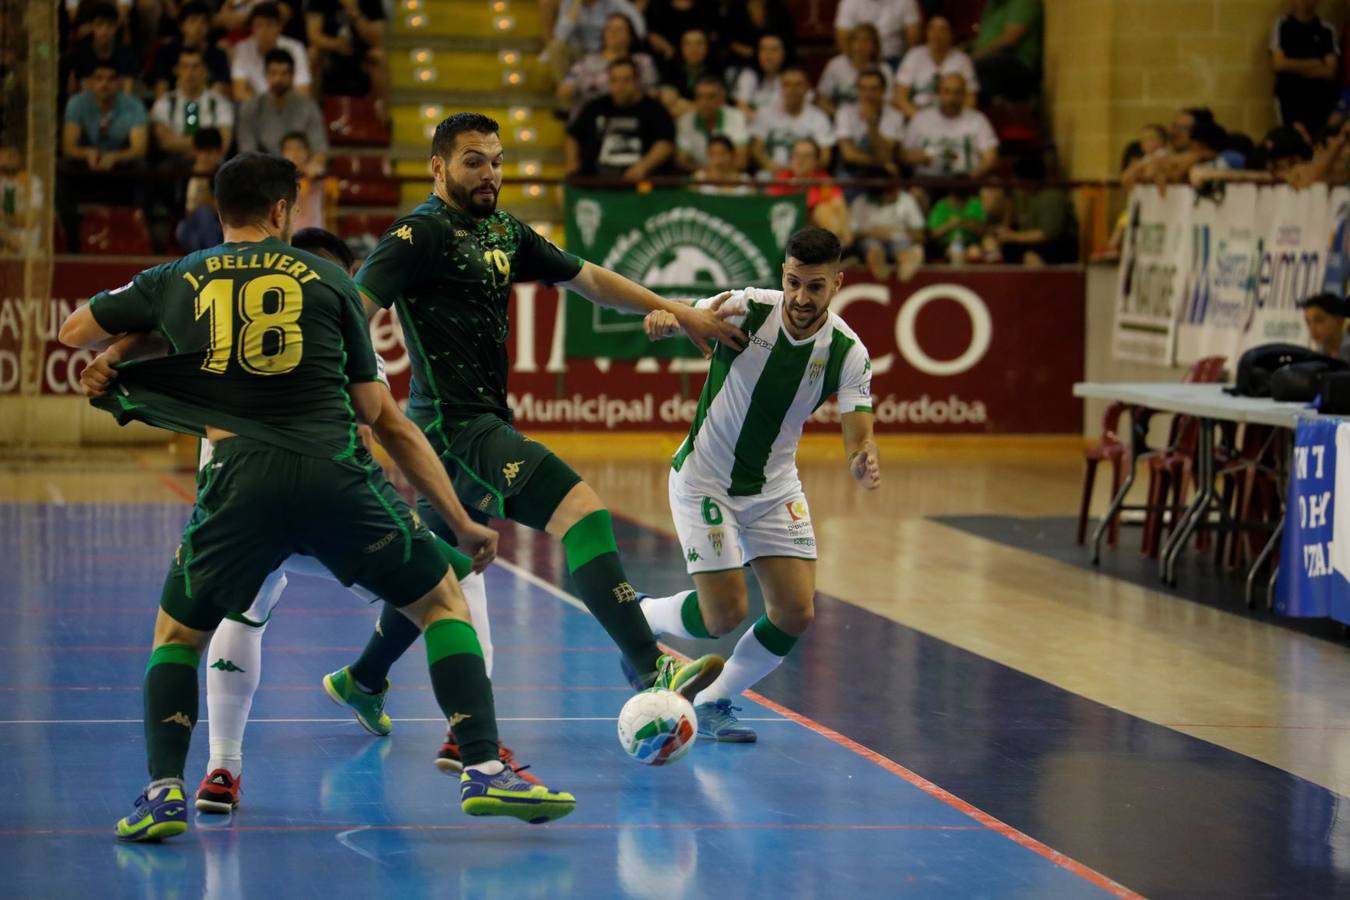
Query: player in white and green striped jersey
[[734, 491]]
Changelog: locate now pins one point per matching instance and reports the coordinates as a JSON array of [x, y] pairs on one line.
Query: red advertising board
[[953, 351]]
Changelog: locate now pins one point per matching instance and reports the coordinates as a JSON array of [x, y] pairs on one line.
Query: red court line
[[1059, 859], [162, 478], [477, 827], [1054, 856]]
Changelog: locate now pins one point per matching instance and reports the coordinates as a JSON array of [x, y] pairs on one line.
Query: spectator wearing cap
[[710, 117], [694, 61], [761, 86], [179, 114], [623, 134], [580, 28], [838, 85], [100, 46], [267, 118], [589, 77], [949, 138], [917, 78], [869, 132], [346, 45], [1306, 58], [778, 127], [249, 71], [1008, 49], [1325, 316], [194, 32], [897, 22]]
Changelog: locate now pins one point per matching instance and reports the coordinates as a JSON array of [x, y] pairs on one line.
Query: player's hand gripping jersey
[[743, 441]]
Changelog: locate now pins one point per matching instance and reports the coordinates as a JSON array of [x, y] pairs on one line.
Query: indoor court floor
[[966, 718]]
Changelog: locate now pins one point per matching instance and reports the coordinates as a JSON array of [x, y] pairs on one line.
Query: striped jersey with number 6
[[744, 437]]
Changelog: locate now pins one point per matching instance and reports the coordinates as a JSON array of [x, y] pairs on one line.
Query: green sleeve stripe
[[863, 409], [177, 654], [374, 297], [450, 637]]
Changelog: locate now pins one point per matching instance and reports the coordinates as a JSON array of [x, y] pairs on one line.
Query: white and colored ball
[[657, 726]]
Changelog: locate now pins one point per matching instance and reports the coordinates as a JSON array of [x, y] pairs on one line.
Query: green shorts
[[258, 504], [499, 473]]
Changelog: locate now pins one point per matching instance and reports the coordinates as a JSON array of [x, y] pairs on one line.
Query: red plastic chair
[[368, 192], [357, 225], [355, 122], [1109, 448]]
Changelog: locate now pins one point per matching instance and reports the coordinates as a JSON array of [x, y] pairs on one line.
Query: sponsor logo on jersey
[[804, 542], [815, 371], [715, 536], [499, 228], [485, 503], [382, 542], [625, 593], [404, 233], [226, 665], [760, 342], [458, 717], [797, 509], [178, 718], [692, 555], [511, 470]]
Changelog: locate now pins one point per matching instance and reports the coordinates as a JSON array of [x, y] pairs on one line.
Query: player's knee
[[169, 630], [444, 601], [794, 618]]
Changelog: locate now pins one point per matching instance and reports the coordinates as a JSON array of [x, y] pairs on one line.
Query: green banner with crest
[[678, 243]]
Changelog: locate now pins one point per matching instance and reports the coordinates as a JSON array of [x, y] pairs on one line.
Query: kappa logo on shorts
[[382, 542], [797, 510], [625, 593], [715, 536], [511, 470], [692, 555], [178, 718], [404, 233]]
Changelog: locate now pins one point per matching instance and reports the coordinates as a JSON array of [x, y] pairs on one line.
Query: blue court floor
[[329, 811]]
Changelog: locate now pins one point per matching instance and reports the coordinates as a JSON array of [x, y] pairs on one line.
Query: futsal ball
[[657, 726]]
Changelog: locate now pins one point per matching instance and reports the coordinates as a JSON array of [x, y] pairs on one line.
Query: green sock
[[462, 688], [593, 560], [170, 709], [395, 633]]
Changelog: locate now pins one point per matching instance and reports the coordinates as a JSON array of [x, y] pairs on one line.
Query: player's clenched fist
[[660, 325]]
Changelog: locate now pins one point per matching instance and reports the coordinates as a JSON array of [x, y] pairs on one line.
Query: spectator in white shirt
[[180, 113], [762, 86], [710, 117], [950, 138], [889, 228], [916, 81], [838, 84], [778, 127], [869, 132], [897, 21], [249, 72]]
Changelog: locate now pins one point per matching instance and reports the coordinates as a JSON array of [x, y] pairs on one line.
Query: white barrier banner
[[1225, 244], [1152, 275], [1292, 263]]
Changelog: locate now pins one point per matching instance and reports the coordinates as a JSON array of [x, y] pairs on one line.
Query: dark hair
[[1201, 114], [813, 246], [1283, 142], [796, 67], [248, 186], [191, 51], [872, 72], [99, 12], [623, 61], [193, 8], [295, 136], [208, 139], [322, 242], [713, 80], [264, 11], [443, 143], [105, 64], [1327, 302], [1133, 151], [632, 32], [277, 55], [721, 140], [1210, 134], [1030, 166]]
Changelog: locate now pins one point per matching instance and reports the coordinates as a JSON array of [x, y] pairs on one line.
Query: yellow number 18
[[216, 302]]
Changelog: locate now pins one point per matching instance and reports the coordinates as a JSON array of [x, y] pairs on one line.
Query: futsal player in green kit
[[447, 267], [269, 357]]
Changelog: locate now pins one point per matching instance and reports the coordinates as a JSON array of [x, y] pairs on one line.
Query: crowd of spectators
[[162, 91], [716, 91]]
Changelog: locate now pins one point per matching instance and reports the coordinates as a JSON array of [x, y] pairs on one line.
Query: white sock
[[491, 767], [475, 594], [749, 662], [665, 615], [233, 670]]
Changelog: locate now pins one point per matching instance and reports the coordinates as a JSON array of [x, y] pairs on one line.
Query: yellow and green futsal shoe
[[160, 812], [368, 708]]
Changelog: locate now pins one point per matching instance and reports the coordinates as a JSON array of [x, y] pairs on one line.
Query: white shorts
[[269, 595], [720, 532]]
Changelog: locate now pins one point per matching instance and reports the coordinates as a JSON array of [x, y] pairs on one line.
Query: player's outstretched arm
[[605, 288], [863, 461], [660, 324], [408, 447]]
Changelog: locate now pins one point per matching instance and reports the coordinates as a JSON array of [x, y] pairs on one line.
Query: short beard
[[464, 199]]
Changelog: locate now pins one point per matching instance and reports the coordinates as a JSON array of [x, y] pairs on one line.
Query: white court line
[[538, 582], [347, 720]]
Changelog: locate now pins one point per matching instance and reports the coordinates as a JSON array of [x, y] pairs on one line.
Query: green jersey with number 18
[[743, 441], [264, 340]]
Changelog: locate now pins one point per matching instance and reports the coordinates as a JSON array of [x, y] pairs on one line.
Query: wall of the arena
[[1112, 66], [985, 351]]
